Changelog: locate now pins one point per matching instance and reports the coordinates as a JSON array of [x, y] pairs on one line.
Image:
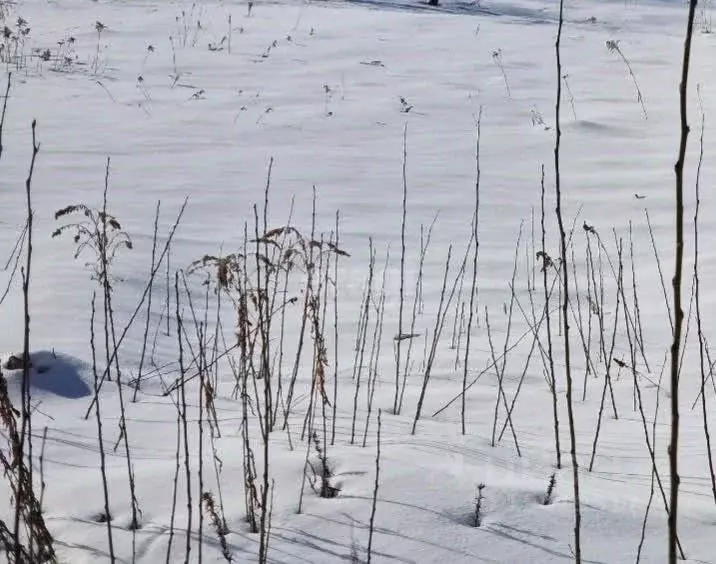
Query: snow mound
[[51, 373]]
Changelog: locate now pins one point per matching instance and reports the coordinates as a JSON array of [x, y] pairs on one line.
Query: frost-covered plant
[[189, 26], [537, 119], [99, 28], [613, 47], [100, 233], [65, 58], [62, 58], [14, 43], [96, 231], [4, 9], [497, 59], [565, 78], [706, 16]]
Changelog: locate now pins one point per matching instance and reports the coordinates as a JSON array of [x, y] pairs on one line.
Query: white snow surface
[[317, 87]]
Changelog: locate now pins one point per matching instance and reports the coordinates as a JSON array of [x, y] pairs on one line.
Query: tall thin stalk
[[335, 334], [185, 430], [105, 257], [4, 109], [360, 352], [175, 486], [399, 339], [424, 244], [565, 289], [135, 313], [24, 473], [439, 318], [264, 328], [371, 526], [149, 305], [473, 284], [677, 282], [697, 288], [375, 349], [653, 470], [100, 441], [609, 356], [552, 375], [439, 324]]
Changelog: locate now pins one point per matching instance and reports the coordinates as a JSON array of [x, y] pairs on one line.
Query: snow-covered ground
[[193, 101]]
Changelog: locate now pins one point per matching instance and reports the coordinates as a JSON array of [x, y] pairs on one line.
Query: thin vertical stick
[[500, 368], [43, 485], [608, 358], [282, 332], [109, 329], [439, 322], [500, 389], [580, 322], [264, 322], [149, 305], [460, 331], [533, 268], [375, 349], [677, 282], [658, 266], [565, 286], [591, 291], [306, 465], [320, 346], [200, 423], [279, 255], [317, 333], [375, 491], [650, 446], [653, 473], [185, 431], [175, 487], [697, 287], [546, 262], [361, 353], [525, 369], [304, 319], [168, 293], [24, 473], [424, 244], [270, 517], [473, 283], [335, 334], [100, 441], [165, 251], [638, 330], [456, 326], [402, 272], [4, 109]]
